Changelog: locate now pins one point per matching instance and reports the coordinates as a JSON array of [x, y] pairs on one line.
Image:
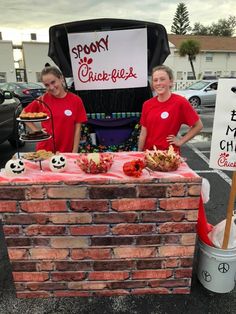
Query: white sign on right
[[223, 144]]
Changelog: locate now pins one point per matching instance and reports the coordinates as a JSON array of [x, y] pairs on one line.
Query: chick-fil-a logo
[[223, 161], [86, 74]]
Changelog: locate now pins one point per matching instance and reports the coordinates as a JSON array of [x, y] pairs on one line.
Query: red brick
[[44, 206], [112, 191], [72, 218], [30, 276], [149, 264], [67, 192], [16, 242], [12, 193], [113, 265], [111, 218], [162, 216], [186, 262], [67, 276], [46, 253], [89, 230], [17, 254], [183, 273], [170, 263], [176, 251], [127, 284], [35, 295], [179, 203], [152, 190], [89, 205], [105, 275], [71, 293], [147, 240], [170, 238], [149, 274], [151, 291], [111, 241], [8, 207], [177, 227], [133, 252], [87, 285], [133, 229], [73, 266], [191, 215], [194, 190], [47, 286], [45, 230], [134, 204], [40, 241], [110, 293], [96, 254], [12, 230], [181, 290], [35, 192], [23, 219], [45, 265], [69, 242], [177, 189], [22, 266], [188, 239], [170, 283]]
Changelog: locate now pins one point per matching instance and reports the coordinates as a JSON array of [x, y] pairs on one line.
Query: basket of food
[[162, 160], [95, 162]]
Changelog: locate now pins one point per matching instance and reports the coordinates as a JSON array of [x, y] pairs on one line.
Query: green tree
[[181, 24], [190, 48], [224, 27]]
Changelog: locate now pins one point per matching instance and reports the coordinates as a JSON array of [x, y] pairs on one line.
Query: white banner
[[107, 60], [223, 144]]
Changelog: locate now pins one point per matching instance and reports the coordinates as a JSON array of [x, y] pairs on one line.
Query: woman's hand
[[172, 139]]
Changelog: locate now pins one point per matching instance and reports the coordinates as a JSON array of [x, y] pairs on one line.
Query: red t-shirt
[[66, 113], [165, 118]]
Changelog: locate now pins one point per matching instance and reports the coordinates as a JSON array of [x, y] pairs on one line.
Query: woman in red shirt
[[164, 114], [67, 110]]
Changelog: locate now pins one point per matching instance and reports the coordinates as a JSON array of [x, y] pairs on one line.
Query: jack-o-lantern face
[[57, 163], [14, 167]]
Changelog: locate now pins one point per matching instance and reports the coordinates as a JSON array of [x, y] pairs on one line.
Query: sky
[[19, 18]]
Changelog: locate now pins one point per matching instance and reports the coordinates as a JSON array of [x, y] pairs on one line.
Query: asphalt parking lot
[[199, 301]]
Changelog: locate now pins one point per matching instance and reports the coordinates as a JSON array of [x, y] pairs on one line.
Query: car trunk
[[112, 104]]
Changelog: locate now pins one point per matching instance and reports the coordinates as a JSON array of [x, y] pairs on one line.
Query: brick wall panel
[[89, 205], [111, 192]]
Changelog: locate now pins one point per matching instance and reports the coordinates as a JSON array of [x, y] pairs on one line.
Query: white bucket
[[216, 268]]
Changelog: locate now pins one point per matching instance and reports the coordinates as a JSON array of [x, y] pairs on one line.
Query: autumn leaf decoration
[[134, 168]]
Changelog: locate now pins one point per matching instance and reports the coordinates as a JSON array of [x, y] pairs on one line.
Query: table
[[77, 234]]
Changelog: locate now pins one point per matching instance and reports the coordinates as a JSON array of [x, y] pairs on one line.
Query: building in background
[[217, 58]]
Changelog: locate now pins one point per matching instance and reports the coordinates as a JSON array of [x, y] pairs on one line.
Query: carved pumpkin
[[57, 163], [15, 167]]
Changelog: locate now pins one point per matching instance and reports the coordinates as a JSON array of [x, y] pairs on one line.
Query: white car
[[200, 93]]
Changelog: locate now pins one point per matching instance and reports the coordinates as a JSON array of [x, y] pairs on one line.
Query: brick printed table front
[[93, 238]]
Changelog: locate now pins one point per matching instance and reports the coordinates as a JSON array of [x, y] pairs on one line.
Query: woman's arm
[[76, 138], [142, 138], [193, 131]]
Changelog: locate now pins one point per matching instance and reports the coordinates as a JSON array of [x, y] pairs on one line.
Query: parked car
[[25, 92], [200, 93], [10, 129]]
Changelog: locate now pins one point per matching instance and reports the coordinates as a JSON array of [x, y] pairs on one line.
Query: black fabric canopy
[[113, 100]]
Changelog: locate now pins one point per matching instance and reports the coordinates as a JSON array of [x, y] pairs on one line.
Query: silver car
[[200, 93]]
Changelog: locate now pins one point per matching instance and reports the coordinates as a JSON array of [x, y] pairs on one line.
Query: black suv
[[10, 108]]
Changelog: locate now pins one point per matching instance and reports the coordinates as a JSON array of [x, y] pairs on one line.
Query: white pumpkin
[[94, 157], [15, 167], [57, 163]]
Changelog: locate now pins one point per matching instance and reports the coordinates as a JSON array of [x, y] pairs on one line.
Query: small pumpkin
[[134, 167], [57, 163], [15, 167]]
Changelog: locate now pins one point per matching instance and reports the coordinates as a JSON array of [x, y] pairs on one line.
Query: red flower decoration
[[134, 168]]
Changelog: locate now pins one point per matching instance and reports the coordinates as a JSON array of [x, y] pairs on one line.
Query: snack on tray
[[39, 155], [95, 162], [33, 115], [35, 135], [162, 160]]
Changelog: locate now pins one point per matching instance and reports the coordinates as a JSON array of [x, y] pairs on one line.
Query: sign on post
[[109, 59], [223, 144]]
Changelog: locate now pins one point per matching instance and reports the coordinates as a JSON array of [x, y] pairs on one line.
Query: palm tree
[[191, 48]]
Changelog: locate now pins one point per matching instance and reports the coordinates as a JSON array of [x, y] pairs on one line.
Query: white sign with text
[[223, 144], [109, 59]]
